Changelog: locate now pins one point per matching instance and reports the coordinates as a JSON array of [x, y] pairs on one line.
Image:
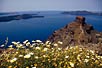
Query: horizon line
[[45, 11]]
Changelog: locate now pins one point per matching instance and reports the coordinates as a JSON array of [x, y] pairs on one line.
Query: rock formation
[[77, 32]]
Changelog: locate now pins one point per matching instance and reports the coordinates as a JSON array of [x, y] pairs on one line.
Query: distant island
[[18, 17], [82, 13]]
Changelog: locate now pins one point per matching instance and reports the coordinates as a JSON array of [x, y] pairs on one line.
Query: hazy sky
[[46, 5]]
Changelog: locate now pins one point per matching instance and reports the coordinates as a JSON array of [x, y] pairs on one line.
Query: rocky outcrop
[[77, 32]]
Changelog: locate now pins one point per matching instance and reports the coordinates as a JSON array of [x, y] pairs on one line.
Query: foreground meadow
[[47, 55]]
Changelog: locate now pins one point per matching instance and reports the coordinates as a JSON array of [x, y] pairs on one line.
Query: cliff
[[79, 33]]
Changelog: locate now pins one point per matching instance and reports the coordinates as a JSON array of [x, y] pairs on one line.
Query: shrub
[[47, 55]]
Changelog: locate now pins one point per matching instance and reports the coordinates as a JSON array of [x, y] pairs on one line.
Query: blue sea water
[[41, 28]]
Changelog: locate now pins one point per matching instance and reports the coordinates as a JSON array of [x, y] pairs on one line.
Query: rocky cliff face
[[77, 32]]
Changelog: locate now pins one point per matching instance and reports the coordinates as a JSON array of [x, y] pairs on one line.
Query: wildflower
[[100, 64], [2, 45], [71, 48], [50, 43], [15, 66], [80, 49], [55, 45], [86, 60], [59, 48], [15, 43], [25, 41], [55, 64], [33, 41], [31, 65], [36, 57], [87, 56], [35, 65], [47, 42], [38, 48], [98, 57], [23, 47], [59, 42], [78, 57], [13, 60], [96, 61], [66, 48], [66, 56], [20, 45], [28, 43], [44, 55], [31, 53], [27, 67], [27, 56], [52, 48], [45, 49], [20, 55], [47, 45], [33, 44], [93, 58], [38, 41], [92, 51], [76, 46], [16, 52], [71, 64], [10, 46]]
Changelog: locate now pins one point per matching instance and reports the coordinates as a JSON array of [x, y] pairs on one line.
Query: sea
[[41, 28]]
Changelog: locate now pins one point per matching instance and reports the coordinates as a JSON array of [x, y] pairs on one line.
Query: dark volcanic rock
[[77, 32]]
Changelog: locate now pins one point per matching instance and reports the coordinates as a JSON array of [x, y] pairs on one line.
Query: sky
[[50, 5]]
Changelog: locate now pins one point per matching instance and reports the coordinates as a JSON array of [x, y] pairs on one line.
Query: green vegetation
[[48, 55]]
